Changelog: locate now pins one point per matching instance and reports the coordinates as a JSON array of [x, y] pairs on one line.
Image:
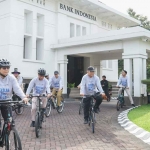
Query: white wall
[[112, 74], [29, 67], [4, 28]]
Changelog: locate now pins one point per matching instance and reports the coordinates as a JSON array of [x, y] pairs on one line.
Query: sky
[[142, 7]]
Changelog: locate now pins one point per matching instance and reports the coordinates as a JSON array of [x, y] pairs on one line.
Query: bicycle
[[81, 107], [52, 101], [39, 118], [120, 102], [18, 108], [91, 119], [8, 135]]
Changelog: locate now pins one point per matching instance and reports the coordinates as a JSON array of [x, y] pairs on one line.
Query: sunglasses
[[4, 68]]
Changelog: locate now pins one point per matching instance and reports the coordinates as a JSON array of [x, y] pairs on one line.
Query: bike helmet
[[4, 63], [42, 71], [46, 75]]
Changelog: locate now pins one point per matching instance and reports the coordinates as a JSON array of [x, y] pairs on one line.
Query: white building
[[53, 33]]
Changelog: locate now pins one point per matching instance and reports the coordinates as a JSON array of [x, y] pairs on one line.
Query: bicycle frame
[[7, 126]]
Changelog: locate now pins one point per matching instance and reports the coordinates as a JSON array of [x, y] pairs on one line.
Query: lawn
[[141, 116]]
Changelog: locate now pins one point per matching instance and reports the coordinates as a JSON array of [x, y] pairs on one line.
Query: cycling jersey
[[90, 85], [39, 86], [123, 81], [56, 82], [7, 86]]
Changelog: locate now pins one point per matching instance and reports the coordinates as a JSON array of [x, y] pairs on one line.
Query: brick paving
[[66, 131]]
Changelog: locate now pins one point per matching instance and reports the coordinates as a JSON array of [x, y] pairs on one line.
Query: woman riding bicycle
[[40, 86], [8, 85]]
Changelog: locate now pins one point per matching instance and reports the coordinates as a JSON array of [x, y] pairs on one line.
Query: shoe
[[96, 110], [85, 121], [133, 105], [32, 124]]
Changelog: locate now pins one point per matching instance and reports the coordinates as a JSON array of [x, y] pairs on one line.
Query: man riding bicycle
[[90, 84], [19, 79], [40, 86], [124, 82], [8, 85], [57, 85]]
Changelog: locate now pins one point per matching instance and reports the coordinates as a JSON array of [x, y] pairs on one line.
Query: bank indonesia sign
[[77, 12]]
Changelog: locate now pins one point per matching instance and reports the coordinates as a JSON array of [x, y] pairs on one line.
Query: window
[[83, 31], [107, 64], [39, 49], [27, 48], [110, 64], [28, 21], [78, 30], [104, 64], [72, 30], [40, 25]]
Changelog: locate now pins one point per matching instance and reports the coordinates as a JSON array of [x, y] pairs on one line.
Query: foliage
[[70, 85], [143, 19], [147, 82], [140, 116], [120, 66]]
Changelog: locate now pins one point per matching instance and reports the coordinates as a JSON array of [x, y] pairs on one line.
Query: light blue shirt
[[123, 81]]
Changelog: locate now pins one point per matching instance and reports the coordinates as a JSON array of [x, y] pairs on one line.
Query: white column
[[137, 64], [101, 69], [63, 74], [128, 68], [144, 76]]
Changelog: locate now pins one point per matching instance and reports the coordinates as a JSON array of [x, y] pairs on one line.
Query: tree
[[143, 19], [145, 24]]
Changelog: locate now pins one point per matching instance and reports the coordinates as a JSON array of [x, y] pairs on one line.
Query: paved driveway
[[66, 131]]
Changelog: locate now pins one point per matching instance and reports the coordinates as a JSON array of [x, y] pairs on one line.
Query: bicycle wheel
[[19, 109], [93, 121], [12, 141], [118, 105], [37, 125], [60, 108], [48, 108]]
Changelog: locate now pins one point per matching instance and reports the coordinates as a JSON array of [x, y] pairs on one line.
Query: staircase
[[75, 92]]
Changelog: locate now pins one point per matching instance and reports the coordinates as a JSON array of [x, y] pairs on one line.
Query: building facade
[[70, 35]]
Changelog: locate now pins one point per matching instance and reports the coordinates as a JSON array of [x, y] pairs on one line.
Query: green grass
[[141, 116]]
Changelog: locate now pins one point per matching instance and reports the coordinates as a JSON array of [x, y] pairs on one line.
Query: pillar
[[63, 73], [128, 68], [137, 63]]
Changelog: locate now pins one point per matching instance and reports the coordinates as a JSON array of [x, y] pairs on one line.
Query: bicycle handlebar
[[31, 96], [9, 101]]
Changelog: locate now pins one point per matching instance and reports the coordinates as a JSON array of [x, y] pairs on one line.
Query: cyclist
[[8, 85], [40, 86], [49, 79], [57, 85], [124, 82], [89, 85], [104, 84], [16, 74]]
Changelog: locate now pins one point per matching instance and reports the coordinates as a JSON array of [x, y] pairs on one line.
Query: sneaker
[[32, 124], [133, 105], [85, 121]]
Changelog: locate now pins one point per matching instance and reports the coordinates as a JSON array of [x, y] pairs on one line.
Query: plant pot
[[68, 92]]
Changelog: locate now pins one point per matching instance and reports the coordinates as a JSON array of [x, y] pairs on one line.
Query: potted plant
[[69, 86], [147, 82]]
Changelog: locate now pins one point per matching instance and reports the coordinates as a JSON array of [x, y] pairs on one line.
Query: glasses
[[4, 68]]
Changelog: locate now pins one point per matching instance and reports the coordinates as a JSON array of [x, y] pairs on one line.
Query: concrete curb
[[128, 125]]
